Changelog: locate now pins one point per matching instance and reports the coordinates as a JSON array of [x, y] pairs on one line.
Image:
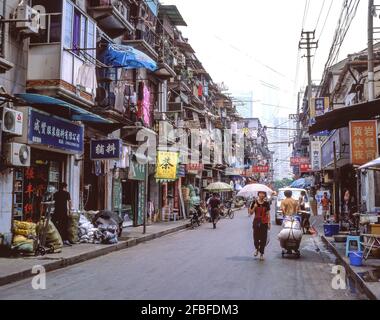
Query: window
[[91, 38], [79, 31], [69, 17]]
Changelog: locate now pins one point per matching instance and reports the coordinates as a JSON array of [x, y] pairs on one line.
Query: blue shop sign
[[56, 133], [106, 149], [182, 171]]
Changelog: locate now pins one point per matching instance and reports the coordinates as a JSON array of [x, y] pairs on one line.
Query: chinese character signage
[[363, 141], [194, 167], [167, 164], [55, 132], [318, 107], [260, 169], [182, 171], [106, 149], [296, 161], [305, 168], [316, 159]]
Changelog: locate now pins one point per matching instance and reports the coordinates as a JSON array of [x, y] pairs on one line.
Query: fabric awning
[[67, 110], [372, 164], [340, 118], [127, 57]]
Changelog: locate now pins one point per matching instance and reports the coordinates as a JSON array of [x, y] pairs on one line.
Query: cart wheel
[[40, 251], [298, 255], [283, 254]]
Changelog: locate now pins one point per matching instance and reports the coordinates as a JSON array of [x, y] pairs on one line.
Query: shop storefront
[[50, 144], [167, 175], [134, 192]]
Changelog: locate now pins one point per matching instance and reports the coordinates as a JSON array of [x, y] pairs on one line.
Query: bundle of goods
[[86, 230], [110, 225], [104, 230], [73, 228], [291, 235], [53, 238], [24, 237]]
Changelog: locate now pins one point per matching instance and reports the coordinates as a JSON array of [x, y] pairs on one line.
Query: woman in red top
[[261, 223]]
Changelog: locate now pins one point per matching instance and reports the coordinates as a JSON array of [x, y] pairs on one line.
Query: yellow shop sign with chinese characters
[[167, 165]]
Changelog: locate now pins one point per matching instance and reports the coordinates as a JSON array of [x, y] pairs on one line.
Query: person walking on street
[[261, 223], [348, 207], [326, 203], [304, 215], [289, 206], [62, 207], [214, 204]]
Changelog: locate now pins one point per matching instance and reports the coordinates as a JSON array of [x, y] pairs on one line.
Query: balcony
[[145, 41], [166, 64], [112, 16]]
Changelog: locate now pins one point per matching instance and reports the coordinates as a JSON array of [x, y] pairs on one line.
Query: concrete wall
[[14, 81], [16, 51]]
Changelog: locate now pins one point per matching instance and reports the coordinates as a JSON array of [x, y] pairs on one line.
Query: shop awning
[[127, 57], [67, 110], [340, 118]]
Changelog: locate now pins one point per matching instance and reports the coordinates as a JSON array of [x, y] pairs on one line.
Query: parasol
[[219, 187], [252, 190]]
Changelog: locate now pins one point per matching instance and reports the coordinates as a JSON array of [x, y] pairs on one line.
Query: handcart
[[48, 209]]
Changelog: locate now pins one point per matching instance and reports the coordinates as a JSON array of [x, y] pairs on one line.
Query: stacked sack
[[87, 233], [24, 235], [53, 238], [105, 231], [73, 228]]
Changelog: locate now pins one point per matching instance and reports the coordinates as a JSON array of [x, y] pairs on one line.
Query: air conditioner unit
[[17, 154], [12, 121], [29, 19]]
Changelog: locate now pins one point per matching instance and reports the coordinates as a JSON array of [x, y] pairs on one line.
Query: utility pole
[[307, 43], [371, 74]]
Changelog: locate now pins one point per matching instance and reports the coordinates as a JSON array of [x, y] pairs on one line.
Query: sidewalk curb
[[357, 279], [69, 261]]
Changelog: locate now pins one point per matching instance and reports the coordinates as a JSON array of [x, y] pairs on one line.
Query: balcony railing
[[148, 36], [119, 5]]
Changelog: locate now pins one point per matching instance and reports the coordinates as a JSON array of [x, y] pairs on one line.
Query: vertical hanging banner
[[167, 165], [316, 159], [363, 141], [319, 106]]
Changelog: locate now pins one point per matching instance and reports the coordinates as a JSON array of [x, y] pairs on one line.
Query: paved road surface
[[198, 264]]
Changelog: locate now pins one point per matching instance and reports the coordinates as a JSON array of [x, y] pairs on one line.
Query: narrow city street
[[195, 264]]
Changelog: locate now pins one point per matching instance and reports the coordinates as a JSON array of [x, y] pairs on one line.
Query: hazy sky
[[236, 39]]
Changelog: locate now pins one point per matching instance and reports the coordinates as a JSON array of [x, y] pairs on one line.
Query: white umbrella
[[219, 187], [252, 190], [372, 164]]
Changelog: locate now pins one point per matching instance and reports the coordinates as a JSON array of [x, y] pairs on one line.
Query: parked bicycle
[[226, 210]]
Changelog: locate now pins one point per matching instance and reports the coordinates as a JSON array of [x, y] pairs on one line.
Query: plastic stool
[[348, 244]]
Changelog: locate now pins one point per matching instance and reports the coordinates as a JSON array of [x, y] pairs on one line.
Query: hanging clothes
[[87, 77], [200, 90], [140, 100], [146, 106], [119, 91]]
